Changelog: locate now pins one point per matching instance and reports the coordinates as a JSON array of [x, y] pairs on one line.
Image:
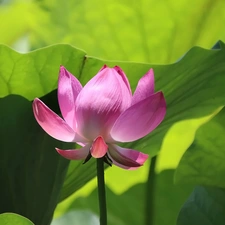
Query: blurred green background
[[143, 31], [146, 31]]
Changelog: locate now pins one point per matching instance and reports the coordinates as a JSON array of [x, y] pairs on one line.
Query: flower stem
[[101, 191], [150, 193]]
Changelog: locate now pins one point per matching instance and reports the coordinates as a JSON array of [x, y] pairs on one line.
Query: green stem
[[101, 191], [150, 193]]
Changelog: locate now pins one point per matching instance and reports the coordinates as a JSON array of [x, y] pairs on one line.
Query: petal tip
[[151, 70], [104, 67], [144, 157], [62, 69], [127, 158], [63, 153], [151, 73], [119, 71], [36, 100], [74, 154], [117, 68], [162, 98], [37, 104], [63, 72]]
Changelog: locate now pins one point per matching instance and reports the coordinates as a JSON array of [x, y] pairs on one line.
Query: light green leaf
[[13, 219], [206, 205], [35, 74], [181, 135], [143, 31], [16, 20]]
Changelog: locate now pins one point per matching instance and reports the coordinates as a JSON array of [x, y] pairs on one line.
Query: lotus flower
[[101, 114]]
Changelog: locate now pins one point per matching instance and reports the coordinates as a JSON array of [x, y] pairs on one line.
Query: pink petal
[[68, 89], [100, 103], [145, 87], [124, 77], [126, 158], [75, 154], [122, 74], [140, 119], [51, 123], [98, 148]]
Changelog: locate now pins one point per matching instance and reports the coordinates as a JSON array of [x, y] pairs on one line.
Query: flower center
[[99, 147], [98, 150]]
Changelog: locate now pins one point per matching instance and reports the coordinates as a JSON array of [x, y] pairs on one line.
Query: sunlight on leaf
[[203, 162], [177, 140]]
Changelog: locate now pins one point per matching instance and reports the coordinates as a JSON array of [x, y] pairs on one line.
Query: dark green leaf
[[31, 172], [205, 206]]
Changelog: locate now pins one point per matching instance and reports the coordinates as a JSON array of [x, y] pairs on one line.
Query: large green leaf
[[143, 31], [128, 208], [203, 162], [206, 205], [185, 85], [13, 219], [35, 74]]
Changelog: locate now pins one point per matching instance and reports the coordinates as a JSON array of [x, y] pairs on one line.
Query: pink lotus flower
[[103, 113]]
